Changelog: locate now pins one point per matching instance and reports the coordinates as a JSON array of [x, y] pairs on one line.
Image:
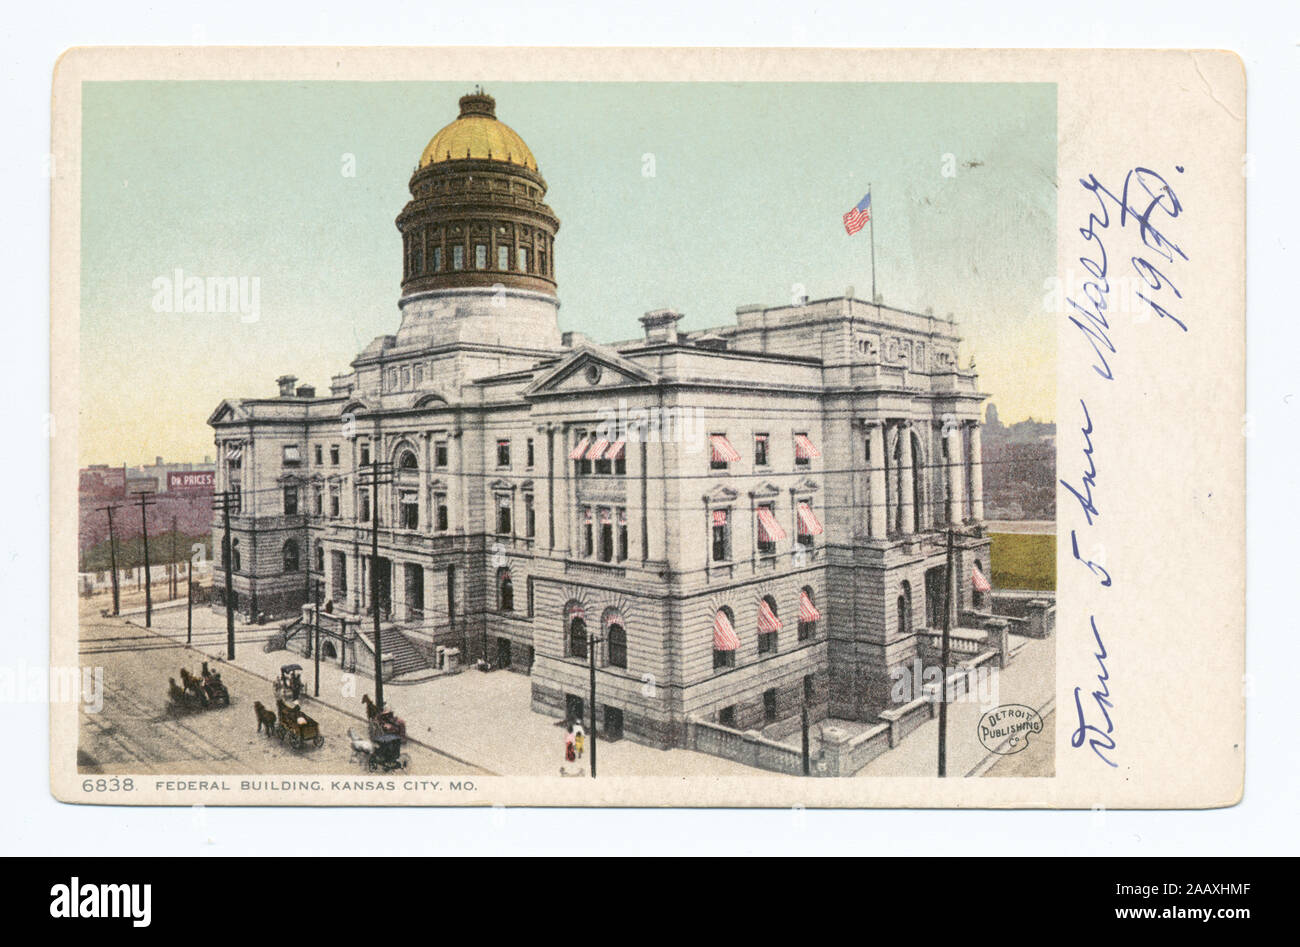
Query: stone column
[[976, 475], [426, 521], [955, 465], [906, 487], [877, 482]]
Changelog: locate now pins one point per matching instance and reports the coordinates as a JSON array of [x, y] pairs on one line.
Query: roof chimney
[[306, 391], [286, 383], [661, 325]]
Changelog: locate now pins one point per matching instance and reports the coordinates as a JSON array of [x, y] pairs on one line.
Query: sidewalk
[[480, 718], [1030, 680]]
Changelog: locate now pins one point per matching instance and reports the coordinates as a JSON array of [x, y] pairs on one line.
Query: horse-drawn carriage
[[198, 693], [295, 724], [383, 722], [289, 685]]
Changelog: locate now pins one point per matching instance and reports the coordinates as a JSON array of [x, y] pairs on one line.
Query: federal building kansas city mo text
[[741, 521]]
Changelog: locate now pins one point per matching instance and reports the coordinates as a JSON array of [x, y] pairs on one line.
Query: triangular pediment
[[590, 368], [721, 495], [226, 412], [806, 485], [764, 490]]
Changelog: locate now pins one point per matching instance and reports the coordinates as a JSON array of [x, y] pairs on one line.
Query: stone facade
[[547, 491]]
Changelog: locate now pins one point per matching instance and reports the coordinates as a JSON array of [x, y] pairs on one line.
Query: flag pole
[[871, 223]]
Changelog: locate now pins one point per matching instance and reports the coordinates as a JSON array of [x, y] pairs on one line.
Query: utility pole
[[947, 629], [148, 588], [189, 606], [226, 498], [591, 655], [377, 473], [803, 720], [315, 647], [174, 576], [112, 555]]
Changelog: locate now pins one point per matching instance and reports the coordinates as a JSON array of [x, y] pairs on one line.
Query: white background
[[1264, 34]]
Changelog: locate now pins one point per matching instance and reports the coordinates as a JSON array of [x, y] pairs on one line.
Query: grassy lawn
[[1023, 561]]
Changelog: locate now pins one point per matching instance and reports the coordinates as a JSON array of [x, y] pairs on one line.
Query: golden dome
[[478, 134]]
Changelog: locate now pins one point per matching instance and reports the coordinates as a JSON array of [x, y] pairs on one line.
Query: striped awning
[[616, 450], [769, 530], [577, 611], [724, 636], [804, 448], [808, 524], [807, 610], [607, 517], [580, 449], [767, 620], [586, 515], [978, 581], [622, 517], [234, 451], [723, 452], [719, 517], [598, 448]]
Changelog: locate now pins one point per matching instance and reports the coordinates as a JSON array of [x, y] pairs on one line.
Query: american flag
[[857, 218]]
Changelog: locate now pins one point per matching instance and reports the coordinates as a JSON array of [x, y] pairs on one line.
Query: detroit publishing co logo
[[1006, 729]]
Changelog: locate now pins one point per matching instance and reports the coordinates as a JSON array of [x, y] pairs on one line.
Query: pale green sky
[[245, 179]]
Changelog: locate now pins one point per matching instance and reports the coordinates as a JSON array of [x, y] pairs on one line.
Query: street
[[136, 732]]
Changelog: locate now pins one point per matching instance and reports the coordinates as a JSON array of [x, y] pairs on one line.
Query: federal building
[[737, 521]]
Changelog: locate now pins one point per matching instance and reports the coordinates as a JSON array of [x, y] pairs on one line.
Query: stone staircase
[[406, 657]]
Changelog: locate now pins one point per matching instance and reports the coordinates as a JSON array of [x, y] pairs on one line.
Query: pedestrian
[[569, 741], [579, 738]]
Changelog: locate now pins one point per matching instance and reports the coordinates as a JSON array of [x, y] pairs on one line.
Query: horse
[[265, 718], [371, 709], [175, 693], [188, 680]]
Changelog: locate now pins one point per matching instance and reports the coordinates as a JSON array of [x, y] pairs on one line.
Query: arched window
[[505, 590], [407, 461], [905, 610], [290, 552], [768, 625], [577, 636], [808, 614], [617, 646], [725, 639]]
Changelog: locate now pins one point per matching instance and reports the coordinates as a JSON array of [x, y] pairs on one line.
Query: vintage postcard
[[647, 427]]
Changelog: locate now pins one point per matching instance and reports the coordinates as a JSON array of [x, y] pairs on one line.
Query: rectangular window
[[531, 456], [409, 508], [530, 517], [419, 375], [503, 515], [803, 449], [622, 534], [541, 262], [440, 506], [406, 377], [588, 532], [334, 501], [503, 453], [721, 535], [365, 455], [721, 453], [318, 500], [767, 642], [808, 689], [503, 258], [290, 501], [606, 535], [334, 455], [480, 256], [437, 258], [760, 450], [766, 541], [458, 257], [769, 705], [363, 505], [523, 259], [440, 455], [292, 456], [320, 456]]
